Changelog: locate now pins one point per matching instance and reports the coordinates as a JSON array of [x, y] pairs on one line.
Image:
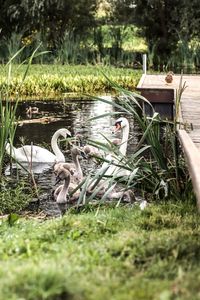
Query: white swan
[[36, 154], [123, 125], [109, 169]]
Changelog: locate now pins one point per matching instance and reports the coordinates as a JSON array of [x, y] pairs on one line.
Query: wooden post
[[144, 63]]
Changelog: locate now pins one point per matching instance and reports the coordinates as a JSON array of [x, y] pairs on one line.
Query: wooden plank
[[158, 81], [154, 87], [192, 156], [158, 95], [142, 79]]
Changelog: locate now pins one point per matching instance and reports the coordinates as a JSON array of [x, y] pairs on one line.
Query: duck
[[32, 110], [37, 154], [169, 77]]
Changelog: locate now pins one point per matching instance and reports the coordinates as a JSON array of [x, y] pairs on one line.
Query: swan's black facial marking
[[118, 124], [67, 136], [58, 179], [83, 154]]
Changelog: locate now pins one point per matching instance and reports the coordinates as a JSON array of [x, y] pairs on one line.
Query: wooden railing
[[192, 156]]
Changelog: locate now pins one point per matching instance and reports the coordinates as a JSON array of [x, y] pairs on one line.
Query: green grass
[[117, 253], [14, 198], [55, 80]]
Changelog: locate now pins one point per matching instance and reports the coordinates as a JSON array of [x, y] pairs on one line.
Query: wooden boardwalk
[[189, 114]]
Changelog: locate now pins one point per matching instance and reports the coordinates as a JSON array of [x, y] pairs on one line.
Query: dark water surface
[[74, 115]]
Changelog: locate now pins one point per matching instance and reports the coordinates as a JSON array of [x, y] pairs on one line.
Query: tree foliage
[[166, 25], [50, 17], [163, 23]]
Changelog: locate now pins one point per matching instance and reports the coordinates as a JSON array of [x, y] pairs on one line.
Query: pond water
[[74, 115]]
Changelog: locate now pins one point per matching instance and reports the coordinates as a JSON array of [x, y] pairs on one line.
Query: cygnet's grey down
[[62, 192], [74, 167]]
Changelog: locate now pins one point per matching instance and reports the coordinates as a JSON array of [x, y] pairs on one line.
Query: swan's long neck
[[77, 165], [54, 145], [62, 196], [124, 142]]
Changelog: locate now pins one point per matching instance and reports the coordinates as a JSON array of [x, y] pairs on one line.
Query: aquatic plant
[[8, 120], [185, 58], [52, 81]]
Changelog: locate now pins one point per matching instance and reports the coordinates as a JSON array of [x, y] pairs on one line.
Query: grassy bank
[[117, 253], [47, 81]]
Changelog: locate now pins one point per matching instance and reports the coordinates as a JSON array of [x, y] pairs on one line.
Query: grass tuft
[[109, 255]]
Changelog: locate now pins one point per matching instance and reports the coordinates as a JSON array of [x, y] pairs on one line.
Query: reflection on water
[[74, 115]]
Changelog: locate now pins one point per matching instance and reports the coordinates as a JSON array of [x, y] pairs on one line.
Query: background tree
[[163, 23], [50, 17]]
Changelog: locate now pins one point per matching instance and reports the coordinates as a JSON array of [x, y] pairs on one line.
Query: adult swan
[[123, 125], [36, 154], [109, 169]]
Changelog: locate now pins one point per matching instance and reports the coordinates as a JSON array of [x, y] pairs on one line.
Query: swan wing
[[33, 153]]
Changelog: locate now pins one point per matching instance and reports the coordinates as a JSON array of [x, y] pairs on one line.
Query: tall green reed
[[11, 46], [69, 50], [186, 57], [8, 108], [156, 165], [8, 105]]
